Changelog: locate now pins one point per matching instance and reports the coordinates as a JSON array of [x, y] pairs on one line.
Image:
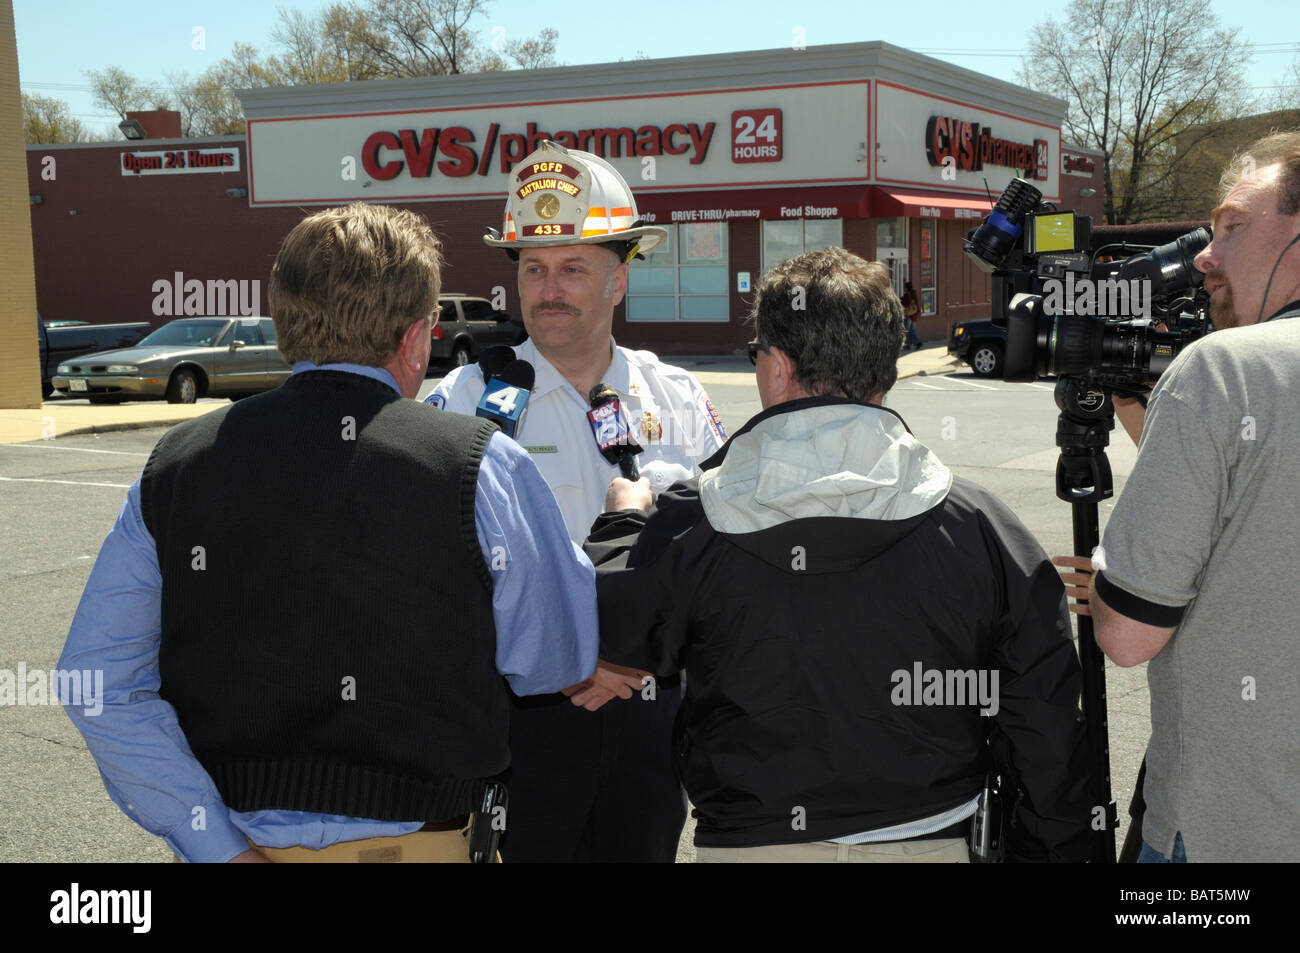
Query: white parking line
[[45, 446], [971, 383], [123, 486], [962, 381]]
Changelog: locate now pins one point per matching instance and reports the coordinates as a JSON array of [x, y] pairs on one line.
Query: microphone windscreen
[[519, 373], [492, 359], [602, 393]]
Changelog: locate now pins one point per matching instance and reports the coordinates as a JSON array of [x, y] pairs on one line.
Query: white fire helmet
[[562, 196]]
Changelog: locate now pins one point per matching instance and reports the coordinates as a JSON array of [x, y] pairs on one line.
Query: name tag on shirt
[[543, 449]]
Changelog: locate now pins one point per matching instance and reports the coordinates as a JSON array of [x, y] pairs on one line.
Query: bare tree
[[114, 88], [435, 37], [208, 104], [346, 41], [1140, 77], [1286, 94], [48, 119], [332, 47], [420, 37], [534, 52]]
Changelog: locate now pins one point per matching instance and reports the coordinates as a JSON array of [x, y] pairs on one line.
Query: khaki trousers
[[948, 851], [421, 847]]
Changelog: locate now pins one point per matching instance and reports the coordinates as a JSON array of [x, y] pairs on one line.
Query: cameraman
[[1194, 564]]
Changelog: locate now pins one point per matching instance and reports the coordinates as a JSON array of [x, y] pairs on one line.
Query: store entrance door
[[898, 265], [891, 248]]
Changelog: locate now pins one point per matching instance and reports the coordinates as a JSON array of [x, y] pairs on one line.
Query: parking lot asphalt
[[65, 417]]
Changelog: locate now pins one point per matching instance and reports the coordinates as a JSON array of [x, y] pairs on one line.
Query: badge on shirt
[[651, 428], [715, 421], [436, 400]]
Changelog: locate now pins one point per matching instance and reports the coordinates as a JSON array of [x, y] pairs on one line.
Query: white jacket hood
[[818, 459]]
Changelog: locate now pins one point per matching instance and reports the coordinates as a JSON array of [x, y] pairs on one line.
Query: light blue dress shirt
[[543, 604]]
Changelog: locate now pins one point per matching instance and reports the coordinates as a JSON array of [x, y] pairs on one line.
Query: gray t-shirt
[[1210, 520]]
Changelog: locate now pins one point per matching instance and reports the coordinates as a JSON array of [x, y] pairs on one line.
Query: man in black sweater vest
[[307, 607]]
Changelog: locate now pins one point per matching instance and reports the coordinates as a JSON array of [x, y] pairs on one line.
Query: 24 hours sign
[[756, 135], [170, 162]]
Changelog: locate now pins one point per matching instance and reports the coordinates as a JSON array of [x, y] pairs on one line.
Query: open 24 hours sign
[[173, 161]]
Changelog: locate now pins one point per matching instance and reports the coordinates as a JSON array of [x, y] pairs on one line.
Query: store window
[[929, 266], [685, 279], [786, 238]]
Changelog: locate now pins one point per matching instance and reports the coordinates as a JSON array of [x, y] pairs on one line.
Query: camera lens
[[1169, 267]]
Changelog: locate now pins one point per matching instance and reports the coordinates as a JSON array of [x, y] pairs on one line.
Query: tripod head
[[1083, 433]]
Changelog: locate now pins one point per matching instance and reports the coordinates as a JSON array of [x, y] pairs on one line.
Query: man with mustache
[[1194, 566], [583, 786]]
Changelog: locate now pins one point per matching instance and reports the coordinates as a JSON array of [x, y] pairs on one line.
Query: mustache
[[555, 306]]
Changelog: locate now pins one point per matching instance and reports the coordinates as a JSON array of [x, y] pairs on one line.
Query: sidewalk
[[933, 358], [58, 418], [735, 369]]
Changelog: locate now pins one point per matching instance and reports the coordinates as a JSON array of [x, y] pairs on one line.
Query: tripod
[[1082, 479]]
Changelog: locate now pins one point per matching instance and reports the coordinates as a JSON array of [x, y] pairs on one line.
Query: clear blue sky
[[59, 39]]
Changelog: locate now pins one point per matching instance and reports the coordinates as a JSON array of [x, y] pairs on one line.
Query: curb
[[123, 425], [950, 362]]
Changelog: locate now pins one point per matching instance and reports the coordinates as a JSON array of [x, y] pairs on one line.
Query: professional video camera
[[1074, 312], [1092, 317]]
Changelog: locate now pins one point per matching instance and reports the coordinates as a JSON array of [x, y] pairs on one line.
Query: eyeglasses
[[753, 347]]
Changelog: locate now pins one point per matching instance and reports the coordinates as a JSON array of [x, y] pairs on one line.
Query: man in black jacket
[[865, 637]]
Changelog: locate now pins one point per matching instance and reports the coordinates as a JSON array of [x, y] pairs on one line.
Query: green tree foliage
[[47, 119]]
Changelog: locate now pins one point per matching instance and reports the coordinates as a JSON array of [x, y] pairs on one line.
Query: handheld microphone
[[610, 428], [505, 398], [492, 359]]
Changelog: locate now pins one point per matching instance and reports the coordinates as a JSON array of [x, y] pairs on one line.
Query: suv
[[981, 344], [467, 325]]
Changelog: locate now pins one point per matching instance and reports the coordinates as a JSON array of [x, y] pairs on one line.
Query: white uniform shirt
[[558, 437]]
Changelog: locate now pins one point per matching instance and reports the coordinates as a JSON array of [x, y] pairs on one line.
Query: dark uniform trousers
[[594, 786]]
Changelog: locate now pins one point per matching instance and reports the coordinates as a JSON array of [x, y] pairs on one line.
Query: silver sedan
[[182, 361]]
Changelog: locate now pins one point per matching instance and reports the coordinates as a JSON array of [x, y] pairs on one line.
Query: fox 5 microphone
[[505, 399], [610, 428]]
